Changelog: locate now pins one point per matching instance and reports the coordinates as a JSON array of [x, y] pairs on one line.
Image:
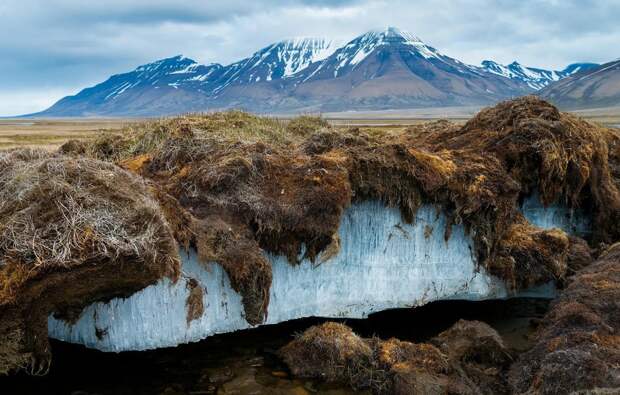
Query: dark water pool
[[246, 363]]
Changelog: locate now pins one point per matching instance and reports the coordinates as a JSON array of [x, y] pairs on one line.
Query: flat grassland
[[51, 133]]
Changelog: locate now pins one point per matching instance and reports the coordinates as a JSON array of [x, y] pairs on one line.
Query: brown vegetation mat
[[241, 184], [578, 343], [469, 358], [565, 158], [72, 232]]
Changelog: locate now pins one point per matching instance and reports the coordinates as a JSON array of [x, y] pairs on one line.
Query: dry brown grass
[[58, 212], [72, 231], [332, 352]]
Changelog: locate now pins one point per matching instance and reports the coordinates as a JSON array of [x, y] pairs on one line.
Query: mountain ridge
[[536, 78], [380, 69], [598, 87]]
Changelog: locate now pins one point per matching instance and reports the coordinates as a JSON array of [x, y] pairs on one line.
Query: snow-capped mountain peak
[[575, 68], [534, 77], [298, 53], [167, 65], [174, 72], [276, 61], [496, 68], [365, 44], [356, 51], [394, 33]]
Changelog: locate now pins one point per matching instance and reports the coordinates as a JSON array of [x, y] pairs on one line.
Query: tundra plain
[[52, 133]]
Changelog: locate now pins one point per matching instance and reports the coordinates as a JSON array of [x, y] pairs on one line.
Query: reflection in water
[[246, 361]]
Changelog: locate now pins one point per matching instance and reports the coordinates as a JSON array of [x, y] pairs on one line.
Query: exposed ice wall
[[383, 263], [573, 222]]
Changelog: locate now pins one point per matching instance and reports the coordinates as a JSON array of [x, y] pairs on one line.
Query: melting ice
[[383, 263]]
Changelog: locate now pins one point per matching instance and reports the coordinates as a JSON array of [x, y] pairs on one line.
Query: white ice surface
[[383, 263], [573, 222]]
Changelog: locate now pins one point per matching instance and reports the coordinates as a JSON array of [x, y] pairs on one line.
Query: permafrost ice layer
[[574, 222], [383, 263]]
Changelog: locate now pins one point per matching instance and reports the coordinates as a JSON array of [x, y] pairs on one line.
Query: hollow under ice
[[383, 263]]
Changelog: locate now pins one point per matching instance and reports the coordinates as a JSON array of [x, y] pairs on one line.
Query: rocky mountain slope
[[599, 87], [377, 70]]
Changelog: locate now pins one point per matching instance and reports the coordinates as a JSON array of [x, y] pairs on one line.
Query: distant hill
[[598, 87], [387, 69]]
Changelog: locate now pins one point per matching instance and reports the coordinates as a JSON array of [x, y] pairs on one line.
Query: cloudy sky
[[56, 47]]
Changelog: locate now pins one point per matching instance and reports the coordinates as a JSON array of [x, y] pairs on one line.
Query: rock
[[217, 375], [246, 383]]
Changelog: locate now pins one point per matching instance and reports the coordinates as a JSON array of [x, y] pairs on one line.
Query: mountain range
[[533, 77], [599, 87], [386, 69]]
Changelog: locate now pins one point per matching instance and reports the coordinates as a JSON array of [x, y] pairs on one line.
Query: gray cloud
[[56, 47]]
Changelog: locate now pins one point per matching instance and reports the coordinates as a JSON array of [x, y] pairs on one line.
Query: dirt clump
[[577, 345], [480, 352], [72, 231], [579, 255], [468, 358], [331, 352], [194, 303]]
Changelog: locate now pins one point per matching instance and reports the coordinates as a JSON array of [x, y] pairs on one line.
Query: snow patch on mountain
[[299, 53], [277, 61]]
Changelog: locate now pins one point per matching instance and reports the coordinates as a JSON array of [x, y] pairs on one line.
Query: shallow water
[[245, 362], [16, 123]]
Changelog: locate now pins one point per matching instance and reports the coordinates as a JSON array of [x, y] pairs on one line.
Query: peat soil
[[245, 362]]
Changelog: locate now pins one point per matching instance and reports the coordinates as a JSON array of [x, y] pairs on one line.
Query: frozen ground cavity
[[574, 222], [383, 263]]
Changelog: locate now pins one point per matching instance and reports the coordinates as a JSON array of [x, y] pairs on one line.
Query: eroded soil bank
[[247, 361], [102, 220]]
